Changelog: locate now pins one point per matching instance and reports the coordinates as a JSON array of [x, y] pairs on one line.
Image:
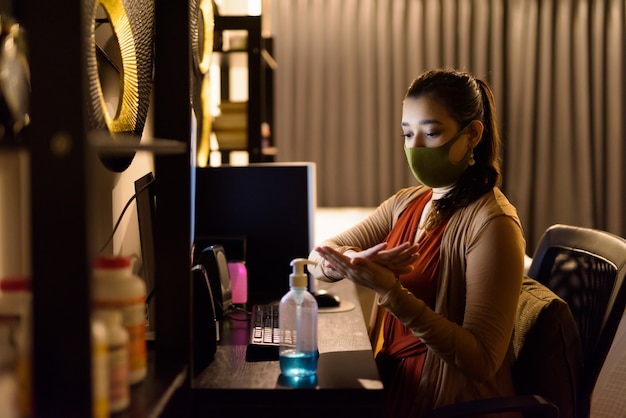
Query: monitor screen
[[146, 211], [268, 208]]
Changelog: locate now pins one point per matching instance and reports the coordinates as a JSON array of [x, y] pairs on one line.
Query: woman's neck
[[439, 192]]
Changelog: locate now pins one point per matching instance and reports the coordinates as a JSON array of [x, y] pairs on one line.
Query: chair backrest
[[586, 268]]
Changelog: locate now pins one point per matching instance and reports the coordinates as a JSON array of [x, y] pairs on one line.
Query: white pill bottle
[[116, 287]]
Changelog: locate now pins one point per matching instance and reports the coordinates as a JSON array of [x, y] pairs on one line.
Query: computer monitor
[[146, 212], [269, 207]]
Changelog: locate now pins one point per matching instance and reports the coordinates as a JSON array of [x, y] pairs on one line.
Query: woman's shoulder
[[497, 200], [469, 221], [492, 204]]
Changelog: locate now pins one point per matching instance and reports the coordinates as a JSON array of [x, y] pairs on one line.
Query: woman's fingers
[[398, 259], [336, 260]]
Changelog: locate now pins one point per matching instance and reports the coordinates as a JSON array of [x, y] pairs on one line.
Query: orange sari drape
[[401, 358]]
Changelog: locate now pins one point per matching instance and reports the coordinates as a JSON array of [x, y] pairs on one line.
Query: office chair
[[585, 268]]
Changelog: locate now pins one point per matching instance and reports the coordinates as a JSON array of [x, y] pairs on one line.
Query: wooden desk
[[347, 381]]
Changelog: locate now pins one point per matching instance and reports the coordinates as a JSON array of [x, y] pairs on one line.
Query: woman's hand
[[362, 270], [399, 259]]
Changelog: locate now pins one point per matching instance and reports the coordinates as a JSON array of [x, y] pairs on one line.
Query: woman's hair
[[466, 98]]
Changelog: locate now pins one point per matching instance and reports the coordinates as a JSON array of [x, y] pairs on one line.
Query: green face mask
[[432, 166]]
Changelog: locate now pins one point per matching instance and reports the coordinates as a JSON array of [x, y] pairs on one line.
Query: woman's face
[[427, 123]]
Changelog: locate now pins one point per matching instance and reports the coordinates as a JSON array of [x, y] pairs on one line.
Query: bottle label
[[100, 384], [118, 377], [137, 347], [134, 320], [118, 303]]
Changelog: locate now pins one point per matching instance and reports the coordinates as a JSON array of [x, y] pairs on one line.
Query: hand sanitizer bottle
[[298, 325]]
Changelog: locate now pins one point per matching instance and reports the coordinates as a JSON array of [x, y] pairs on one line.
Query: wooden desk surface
[[347, 380]]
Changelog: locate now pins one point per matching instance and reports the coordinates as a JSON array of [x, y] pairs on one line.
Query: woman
[[446, 258]]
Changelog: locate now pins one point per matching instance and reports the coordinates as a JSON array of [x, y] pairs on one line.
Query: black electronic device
[[146, 213], [271, 206], [213, 258], [205, 326], [264, 338], [326, 299]]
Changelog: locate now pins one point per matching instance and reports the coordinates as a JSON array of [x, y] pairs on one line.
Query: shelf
[[62, 213], [104, 144], [150, 397], [260, 67], [63, 216]]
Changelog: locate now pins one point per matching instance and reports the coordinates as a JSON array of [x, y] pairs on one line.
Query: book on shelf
[[232, 140], [234, 107], [230, 122]]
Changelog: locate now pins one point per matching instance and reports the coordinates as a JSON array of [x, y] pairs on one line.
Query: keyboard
[[264, 338]]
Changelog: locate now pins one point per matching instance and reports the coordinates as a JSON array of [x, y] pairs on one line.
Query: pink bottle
[[239, 281]]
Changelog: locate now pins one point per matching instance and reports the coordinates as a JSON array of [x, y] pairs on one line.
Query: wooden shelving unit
[[62, 187], [62, 190], [260, 82]]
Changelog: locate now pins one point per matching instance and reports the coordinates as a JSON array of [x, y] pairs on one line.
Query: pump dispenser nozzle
[[298, 278]]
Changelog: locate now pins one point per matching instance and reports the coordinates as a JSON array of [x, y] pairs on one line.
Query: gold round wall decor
[[131, 24], [202, 29], [206, 7], [126, 117]]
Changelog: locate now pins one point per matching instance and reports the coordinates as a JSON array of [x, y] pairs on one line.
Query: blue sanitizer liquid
[[294, 364]]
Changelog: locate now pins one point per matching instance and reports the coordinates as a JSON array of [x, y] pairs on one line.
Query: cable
[[119, 219], [234, 308]]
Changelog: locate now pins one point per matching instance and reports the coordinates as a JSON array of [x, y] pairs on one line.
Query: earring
[[472, 161]]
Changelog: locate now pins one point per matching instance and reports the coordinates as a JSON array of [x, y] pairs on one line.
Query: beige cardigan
[[480, 275]]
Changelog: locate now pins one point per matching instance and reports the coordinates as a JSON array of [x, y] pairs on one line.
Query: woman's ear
[[475, 132]]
